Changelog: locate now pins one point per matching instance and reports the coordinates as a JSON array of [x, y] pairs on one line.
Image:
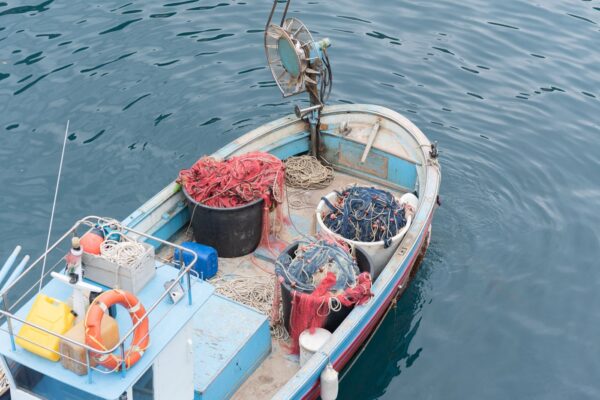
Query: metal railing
[[88, 223]]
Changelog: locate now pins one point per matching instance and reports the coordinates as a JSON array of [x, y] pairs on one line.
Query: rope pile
[[125, 253], [254, 291], [306, 172], [313, 260], [236, 181], [365, 214]]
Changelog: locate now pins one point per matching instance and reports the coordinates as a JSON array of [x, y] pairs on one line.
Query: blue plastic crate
[[208, 260]]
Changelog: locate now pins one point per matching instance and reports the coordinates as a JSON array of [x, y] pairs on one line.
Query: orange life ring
[[93, 337]]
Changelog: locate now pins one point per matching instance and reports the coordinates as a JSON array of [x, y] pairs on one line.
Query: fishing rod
[[60, 165]]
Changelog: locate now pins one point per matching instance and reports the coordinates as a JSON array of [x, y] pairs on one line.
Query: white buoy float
[[310, 343], [329, 383], [410, 199]]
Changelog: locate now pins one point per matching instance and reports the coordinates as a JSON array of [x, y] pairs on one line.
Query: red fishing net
[[359, 294], [310, 311], [236, 181]]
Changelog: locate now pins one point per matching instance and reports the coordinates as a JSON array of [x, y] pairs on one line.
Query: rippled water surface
[[506, 304]]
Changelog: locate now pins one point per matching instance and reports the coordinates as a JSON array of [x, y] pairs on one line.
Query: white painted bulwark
[[174, 368]]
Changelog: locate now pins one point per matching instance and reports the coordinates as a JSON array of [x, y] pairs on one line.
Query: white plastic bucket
[[310, 343], [380, 255]]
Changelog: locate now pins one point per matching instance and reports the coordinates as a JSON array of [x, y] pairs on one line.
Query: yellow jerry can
[[49, 313]]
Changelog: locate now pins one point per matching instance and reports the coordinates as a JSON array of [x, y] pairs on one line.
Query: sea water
[[505, 304]]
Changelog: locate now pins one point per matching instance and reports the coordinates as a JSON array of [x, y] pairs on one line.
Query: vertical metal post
[[285, 11], [189, 287], [87, 363], [9, 322], [123, 363], [314, 136]]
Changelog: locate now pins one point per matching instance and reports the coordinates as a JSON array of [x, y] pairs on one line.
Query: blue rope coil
[[312, 260], [365, 214]]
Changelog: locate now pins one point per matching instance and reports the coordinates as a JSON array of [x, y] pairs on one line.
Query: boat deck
[[167, 321], [300, 205]]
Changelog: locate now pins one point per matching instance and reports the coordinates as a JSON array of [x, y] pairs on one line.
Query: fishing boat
[[180, 336]]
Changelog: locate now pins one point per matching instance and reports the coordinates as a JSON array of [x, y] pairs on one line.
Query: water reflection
[[379, 363]]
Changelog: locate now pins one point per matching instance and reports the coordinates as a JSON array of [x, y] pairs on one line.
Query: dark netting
[[365, 214], [311, 262]]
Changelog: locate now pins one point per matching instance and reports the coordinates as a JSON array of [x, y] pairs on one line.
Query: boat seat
[[230, 341]]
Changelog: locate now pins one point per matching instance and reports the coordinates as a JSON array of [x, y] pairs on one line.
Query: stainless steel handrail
[[91, 221]]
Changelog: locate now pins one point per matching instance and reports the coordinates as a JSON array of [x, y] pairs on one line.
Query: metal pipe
[[189, 285], [270, 16], [55, 245], [41, 328], [301, 112], [9, 324], [87, 363], [314, 132], [8, 264], [123, 363], [26, 293], [285, 10], [17, 271]]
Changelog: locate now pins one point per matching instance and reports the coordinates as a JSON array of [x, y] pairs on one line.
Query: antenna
[[62, 157]]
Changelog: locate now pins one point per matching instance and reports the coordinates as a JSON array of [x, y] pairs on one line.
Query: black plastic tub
[[334, 319], [233, 232]]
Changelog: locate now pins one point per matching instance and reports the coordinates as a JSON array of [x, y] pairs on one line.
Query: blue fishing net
[[365, 214], [312, 260]]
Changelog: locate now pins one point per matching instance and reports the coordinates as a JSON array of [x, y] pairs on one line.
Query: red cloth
[[310, 311]]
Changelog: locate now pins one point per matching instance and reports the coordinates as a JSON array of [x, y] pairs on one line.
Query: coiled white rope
[[125, 253], [306, 172]]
